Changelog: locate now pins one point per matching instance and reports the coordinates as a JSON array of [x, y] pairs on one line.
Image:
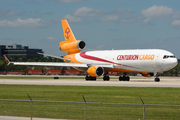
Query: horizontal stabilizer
[[54, 56], [6, 59]]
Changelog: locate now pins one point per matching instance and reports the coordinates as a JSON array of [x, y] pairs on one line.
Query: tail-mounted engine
[[72, 47], [95, 71]]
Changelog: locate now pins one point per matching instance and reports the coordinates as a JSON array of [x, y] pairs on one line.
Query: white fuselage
[[144, 60]]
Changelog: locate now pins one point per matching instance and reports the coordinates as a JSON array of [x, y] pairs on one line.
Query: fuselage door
[[157, 63]]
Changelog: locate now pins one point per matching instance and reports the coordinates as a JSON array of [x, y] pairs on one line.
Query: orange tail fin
[[68, 34], [70, 45]]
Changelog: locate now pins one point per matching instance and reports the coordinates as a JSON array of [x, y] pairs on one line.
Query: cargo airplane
[[148, 62]]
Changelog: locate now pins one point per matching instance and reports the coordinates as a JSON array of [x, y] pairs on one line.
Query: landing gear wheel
[[93, 78], [127, 78], [89, 78], [124, 78], [157, 80], [106, 78], [120, 78]]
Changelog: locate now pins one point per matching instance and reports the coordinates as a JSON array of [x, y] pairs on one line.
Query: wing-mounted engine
[[72, 47], [95, 71], [146, 74]]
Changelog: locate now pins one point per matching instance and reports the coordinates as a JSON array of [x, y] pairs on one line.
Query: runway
[[134, 82]]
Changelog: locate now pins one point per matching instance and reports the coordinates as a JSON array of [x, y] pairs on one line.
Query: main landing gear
[[124, 78], [89, 78], [106, 78], [121, 78]]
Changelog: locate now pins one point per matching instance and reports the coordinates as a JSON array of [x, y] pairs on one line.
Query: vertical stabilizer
[[68, 34]]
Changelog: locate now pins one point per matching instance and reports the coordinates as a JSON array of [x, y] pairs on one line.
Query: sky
[[102, 24]]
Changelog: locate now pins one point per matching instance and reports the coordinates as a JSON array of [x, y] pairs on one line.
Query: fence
[[88, 110]]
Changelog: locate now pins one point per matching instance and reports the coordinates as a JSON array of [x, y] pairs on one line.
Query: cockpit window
[[165, 56], [168, 56], [172, 56]]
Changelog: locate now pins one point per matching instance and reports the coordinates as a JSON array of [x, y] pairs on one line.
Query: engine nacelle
[[72, 47], [95, 71], [146, 74]]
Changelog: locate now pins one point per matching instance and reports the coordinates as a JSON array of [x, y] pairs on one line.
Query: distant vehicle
[[147, 62]]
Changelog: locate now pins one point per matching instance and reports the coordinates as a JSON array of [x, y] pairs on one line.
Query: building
[[19, 50]]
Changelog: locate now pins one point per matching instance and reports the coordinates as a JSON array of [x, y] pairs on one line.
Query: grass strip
[[92, 94]]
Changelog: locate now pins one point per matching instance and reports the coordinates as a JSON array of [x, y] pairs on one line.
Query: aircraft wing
[[62, 64], [51, 64]]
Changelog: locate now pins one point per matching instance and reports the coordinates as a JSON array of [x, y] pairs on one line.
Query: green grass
[[92, 94]]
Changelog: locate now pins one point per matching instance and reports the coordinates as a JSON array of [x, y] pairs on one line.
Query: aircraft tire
[[87, 78], [106, 78], [124, 78], [127, 78], [157, 80], [93, 78], [120, 78]]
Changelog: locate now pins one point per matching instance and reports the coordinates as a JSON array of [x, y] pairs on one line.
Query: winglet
[[6, 59]]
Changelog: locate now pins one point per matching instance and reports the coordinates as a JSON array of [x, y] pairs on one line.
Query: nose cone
[[169, 64], [174, 62]]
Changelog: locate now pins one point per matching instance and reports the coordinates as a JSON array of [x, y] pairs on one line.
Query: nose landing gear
[[157, 79]]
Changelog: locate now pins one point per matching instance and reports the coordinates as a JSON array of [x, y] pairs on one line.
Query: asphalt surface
[[134, 82]]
